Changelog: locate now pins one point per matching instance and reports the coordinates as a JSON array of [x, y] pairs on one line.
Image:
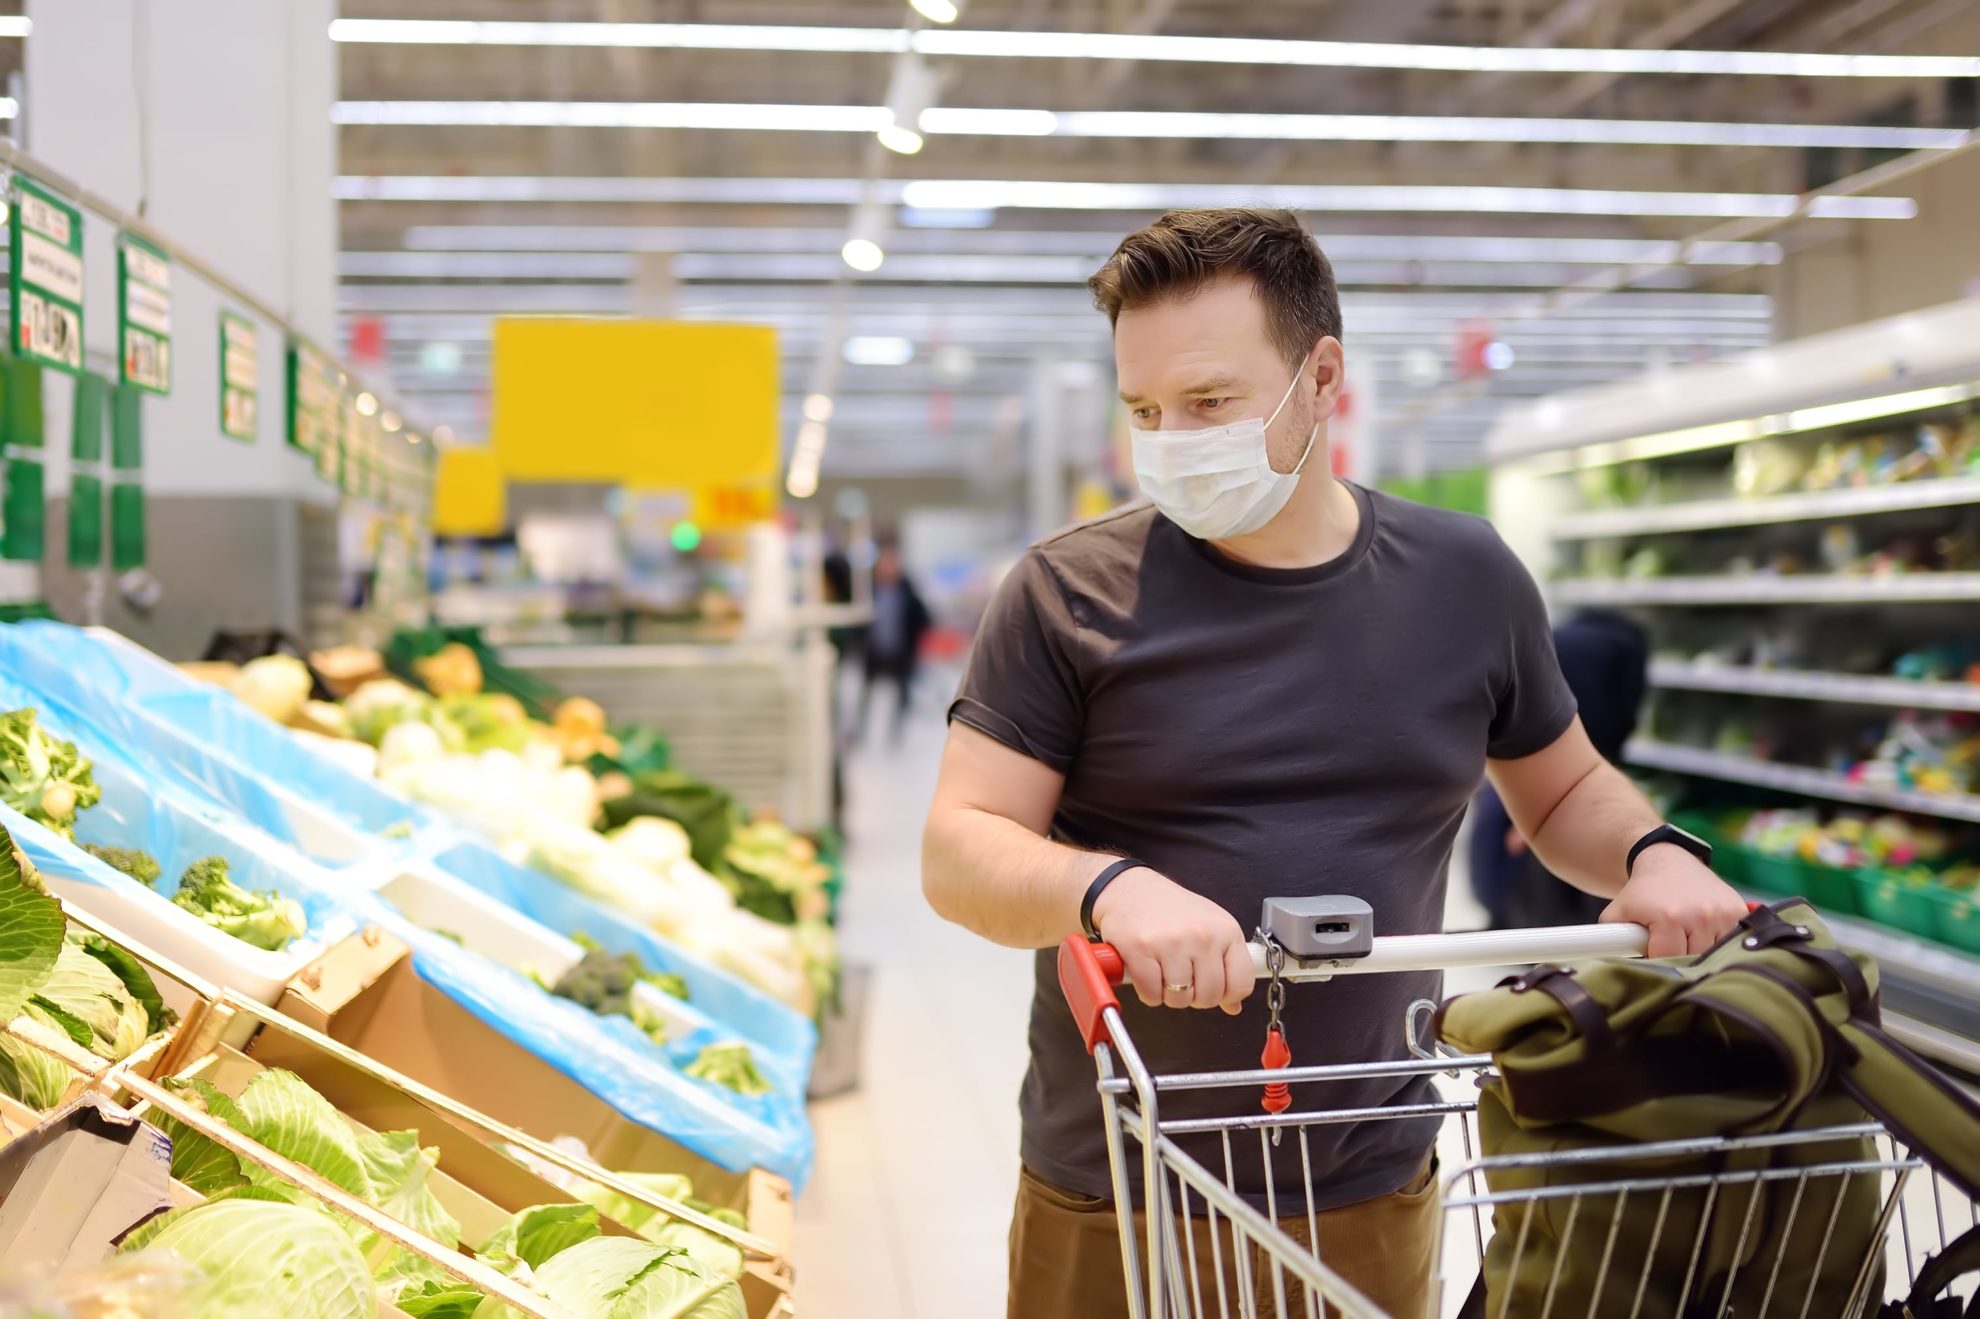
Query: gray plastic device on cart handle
[[1328, 936]]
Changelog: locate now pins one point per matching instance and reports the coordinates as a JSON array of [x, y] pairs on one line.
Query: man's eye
[[1143, 414], [1211, 404]]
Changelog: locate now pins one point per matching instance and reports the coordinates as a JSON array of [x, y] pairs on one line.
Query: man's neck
[[1317, 525]]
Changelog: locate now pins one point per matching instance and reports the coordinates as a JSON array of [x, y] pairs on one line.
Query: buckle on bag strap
[[1766, 928], [1558, 983]]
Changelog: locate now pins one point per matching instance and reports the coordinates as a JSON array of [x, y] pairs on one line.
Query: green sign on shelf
[[45, 283], [240, 366], [316, 390], [144, 313]]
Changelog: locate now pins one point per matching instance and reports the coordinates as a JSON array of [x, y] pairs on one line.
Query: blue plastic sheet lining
[[175, 828], [123, 697], [614, 1060], [777, 1032], [130, 711]]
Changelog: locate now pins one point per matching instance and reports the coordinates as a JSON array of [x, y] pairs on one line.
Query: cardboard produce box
[[392, 1051], [17, 1120]]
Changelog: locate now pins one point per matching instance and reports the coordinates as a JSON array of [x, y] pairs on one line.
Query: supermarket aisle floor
[[906, 1213], [907, 1208]]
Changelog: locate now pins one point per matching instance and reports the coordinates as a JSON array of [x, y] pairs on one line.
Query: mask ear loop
[[1311, 436]]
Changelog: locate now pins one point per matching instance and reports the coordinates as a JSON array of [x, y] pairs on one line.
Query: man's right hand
[[1168, 936]]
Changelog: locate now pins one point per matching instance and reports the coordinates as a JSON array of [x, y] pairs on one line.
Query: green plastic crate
[[1828, 888], [1957, 916], [1887, 898]]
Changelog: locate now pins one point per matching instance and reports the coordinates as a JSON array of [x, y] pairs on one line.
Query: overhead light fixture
[[992, 122], [967, 193], [863, 255], [1499, 356], [443, 434], [862, 250], [990, 194], [811, 437], [914, 218], [899, 139], [953, 232], [911, 90], [802, 483], [1138, 46], [938, 11], [391, 423], [878, 350], [818, 408], [14, 26], [367, 404]]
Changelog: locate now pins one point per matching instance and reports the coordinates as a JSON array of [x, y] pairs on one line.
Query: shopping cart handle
[[1089, 971]]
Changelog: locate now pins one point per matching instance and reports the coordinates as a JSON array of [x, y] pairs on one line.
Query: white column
[[212, 119]]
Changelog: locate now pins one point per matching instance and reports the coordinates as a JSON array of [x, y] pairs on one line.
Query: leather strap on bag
[[1557, 982], [1940, 1272]]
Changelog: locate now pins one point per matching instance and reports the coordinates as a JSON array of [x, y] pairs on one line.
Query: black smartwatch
[[1667, 833], [1100, 881]]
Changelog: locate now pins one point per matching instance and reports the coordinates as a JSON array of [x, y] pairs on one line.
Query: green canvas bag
[[1775, 1030]]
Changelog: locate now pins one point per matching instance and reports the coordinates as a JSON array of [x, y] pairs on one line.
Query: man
[[893, 640], [1270, 682]]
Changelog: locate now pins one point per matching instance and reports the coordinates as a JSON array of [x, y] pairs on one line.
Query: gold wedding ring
[[1177, 989]]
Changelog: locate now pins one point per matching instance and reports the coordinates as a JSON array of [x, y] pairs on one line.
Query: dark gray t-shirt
[[1253, 733]]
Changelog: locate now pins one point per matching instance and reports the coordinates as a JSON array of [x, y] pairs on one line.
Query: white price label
[[54, 269], [42, 217]]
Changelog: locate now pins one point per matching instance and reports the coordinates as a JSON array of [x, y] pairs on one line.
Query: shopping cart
[[1208, 1251]]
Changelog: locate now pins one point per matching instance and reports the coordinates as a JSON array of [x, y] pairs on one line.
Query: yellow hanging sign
[[470, 497], [678, 404]]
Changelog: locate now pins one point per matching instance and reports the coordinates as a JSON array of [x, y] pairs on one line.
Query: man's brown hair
[[1184, 250]]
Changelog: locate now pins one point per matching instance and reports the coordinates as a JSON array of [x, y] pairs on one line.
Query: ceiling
[[447, 225]]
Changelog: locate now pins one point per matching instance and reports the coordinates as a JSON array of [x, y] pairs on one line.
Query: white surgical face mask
[[1218, 482]]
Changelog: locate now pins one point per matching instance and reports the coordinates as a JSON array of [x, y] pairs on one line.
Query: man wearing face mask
[[1263, 682]]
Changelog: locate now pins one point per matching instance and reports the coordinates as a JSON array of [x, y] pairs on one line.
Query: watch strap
[[1667, 833], [1100, 881]]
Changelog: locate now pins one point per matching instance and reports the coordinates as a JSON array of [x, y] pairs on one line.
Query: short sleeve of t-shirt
[[1022, 684], [1535, 704]]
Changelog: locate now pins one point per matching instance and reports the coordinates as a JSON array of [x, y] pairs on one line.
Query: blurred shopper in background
[[1269, 683], [893, 639], [1605, 658]]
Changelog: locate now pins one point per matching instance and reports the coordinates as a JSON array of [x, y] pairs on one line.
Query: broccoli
[[729, 1064], [265, 919], [41, 776], [135, 862], [604, 983]]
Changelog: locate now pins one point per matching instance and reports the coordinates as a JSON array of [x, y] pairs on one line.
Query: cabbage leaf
[[259, 1258], [622, 1278], [31, 926]]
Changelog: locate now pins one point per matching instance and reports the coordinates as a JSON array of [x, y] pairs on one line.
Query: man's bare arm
[[985, 861], [987, 865], [1582, 815]]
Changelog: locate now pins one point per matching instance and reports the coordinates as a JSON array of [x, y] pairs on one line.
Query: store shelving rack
[[1853, 381]]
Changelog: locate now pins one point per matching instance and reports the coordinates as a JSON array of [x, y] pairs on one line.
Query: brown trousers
[[1066, 1254]]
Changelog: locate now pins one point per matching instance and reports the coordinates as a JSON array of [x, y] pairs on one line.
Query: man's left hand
[[1686, 907]]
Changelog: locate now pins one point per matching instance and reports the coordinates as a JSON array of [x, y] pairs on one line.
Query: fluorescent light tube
[[1139, 123], [990, 194], [1150, 46]]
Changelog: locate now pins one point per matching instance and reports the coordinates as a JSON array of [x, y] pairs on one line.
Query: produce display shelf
[[1933, 988], [1810, 685], [1711, 514], [1754, 589], [1651, 754]]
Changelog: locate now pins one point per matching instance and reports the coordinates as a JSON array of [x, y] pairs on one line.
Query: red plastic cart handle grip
[[1088, 973]]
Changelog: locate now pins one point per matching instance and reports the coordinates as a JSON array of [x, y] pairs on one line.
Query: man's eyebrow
[[1214, 385]]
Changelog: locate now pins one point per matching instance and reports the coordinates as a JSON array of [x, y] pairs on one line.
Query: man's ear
[[1329, 374]]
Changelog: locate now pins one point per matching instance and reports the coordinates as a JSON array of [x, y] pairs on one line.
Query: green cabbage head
[[260, 1259], [622, 1278]]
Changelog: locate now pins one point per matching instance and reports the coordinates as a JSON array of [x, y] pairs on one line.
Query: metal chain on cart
[[1275, 987], [1278, 1096]]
